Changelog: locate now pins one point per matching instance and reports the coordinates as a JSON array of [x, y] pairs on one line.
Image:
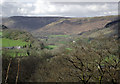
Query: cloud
[[2, 1], [45, 8], [62, 0]]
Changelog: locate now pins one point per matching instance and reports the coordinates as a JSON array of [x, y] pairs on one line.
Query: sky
[[63, 8]]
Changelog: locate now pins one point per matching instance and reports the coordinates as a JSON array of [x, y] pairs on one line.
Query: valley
[[60, 49]]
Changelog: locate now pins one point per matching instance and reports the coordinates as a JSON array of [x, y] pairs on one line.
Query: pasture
[[10, 43], [59, 36], [50, 46]]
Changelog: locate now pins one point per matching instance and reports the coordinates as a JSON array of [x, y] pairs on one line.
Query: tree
[[4, 27]]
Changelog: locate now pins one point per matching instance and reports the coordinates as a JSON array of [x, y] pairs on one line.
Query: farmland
[[50, 46], [10, 43], [12, 39], [14, 52]]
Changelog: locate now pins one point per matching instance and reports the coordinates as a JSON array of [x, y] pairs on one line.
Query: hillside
[[75, 25], [109, 30], [90, 60], [20, 37], [28, 23]]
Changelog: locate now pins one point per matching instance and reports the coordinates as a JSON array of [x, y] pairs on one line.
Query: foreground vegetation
[[96, 61], [92, 62]]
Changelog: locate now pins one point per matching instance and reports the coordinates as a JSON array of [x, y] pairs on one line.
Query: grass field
[[50, 46], [4, 42], [69, 49], [10, 43], [62, 42], [0, 33], [58, 35]]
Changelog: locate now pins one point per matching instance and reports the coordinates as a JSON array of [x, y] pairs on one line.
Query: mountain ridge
[[76, 25], [28, 23]]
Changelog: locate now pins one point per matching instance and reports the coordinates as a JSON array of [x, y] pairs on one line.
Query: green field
[[10, 43], [69, 49], [58, 35], [0, 33], [62, 42], [50, 46]]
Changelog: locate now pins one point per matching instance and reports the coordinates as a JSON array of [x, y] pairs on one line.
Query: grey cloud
[[61, 9]]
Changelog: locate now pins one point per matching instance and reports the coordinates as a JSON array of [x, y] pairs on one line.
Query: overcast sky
[[70, 8]]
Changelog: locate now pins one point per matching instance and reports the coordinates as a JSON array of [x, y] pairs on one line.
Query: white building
[[17, 47], [74, 41]]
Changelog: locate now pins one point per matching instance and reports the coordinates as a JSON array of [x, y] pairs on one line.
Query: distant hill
[[112, 23], [76, 25], [57, 25], [109, 30], [28, 23]]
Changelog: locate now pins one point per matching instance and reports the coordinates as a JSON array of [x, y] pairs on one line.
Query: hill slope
[[76, 25], [109, 30], [28, 23], [19, 36]]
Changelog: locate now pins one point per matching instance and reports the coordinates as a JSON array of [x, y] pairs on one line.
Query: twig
[[8, 71], [18, 71]]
